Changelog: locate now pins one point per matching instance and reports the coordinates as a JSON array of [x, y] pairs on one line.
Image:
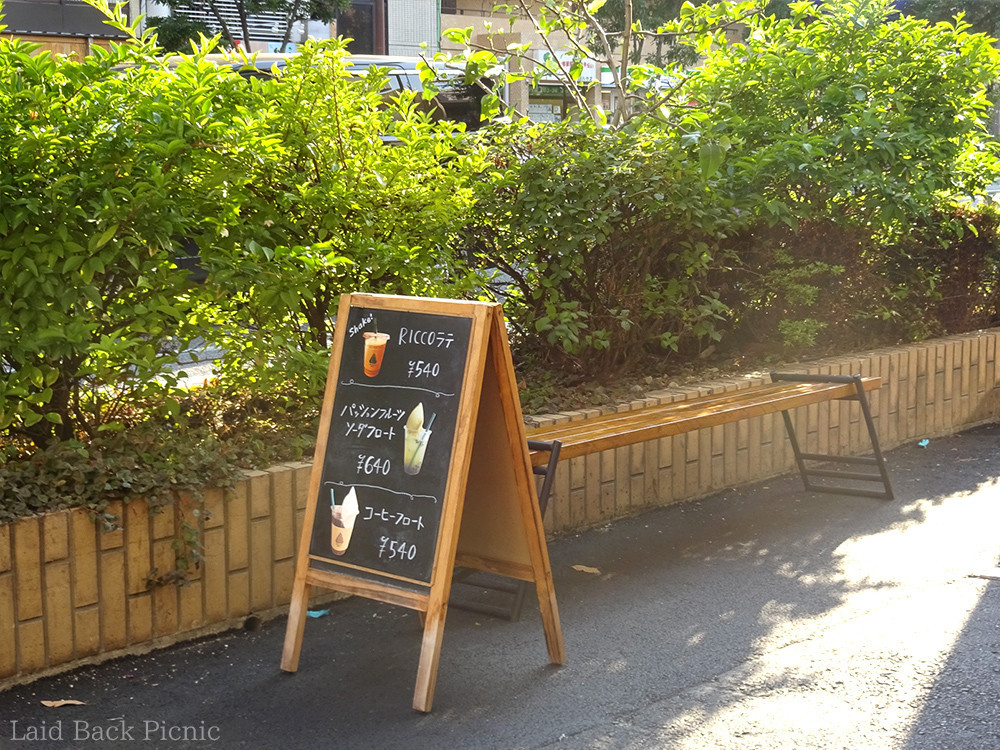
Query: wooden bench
[[786, 391], [783, 393]]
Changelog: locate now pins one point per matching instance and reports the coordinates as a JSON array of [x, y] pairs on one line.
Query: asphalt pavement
[[762, 617]]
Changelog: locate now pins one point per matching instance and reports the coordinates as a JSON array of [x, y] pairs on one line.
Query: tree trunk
[[241, 8], [626, 38], [227, 34], [292, 17]]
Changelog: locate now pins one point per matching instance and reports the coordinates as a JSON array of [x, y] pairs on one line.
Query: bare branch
[[619, 73]]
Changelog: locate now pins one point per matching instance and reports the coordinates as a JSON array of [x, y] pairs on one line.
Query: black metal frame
[[876, 459], [489, 583]]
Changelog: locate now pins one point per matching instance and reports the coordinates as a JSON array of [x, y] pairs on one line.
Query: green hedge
[[813, 183], [295, 189]]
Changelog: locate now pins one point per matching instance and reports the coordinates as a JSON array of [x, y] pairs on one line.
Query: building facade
[[62, 26], [375, 27], [400, 28]]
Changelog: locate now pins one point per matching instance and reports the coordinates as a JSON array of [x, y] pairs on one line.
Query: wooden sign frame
[[489, 517]]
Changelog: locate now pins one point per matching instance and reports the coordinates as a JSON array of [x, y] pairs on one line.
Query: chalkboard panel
[[389, 446]]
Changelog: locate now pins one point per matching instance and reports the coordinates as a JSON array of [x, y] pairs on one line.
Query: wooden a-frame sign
[[421, 464]]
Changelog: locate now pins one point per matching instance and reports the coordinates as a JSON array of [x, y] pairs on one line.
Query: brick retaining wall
[[71, 594]]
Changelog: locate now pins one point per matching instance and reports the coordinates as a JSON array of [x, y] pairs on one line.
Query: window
[[365, 23]]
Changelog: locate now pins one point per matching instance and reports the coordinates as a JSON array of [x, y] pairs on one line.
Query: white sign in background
[[565, 61]]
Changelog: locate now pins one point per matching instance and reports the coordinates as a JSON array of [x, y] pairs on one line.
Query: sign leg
[[430, 654], [296, 625], [550, 617]]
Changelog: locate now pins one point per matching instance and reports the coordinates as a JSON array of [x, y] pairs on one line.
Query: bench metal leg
[[804, 460], [493, 583]]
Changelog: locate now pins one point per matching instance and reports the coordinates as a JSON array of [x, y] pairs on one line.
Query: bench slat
[[616, 430]]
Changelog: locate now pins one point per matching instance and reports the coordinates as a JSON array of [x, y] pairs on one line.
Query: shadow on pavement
[[961, 712]]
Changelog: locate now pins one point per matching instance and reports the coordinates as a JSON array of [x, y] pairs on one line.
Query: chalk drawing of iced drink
[[415, 437], [374, 352], [342, 526]]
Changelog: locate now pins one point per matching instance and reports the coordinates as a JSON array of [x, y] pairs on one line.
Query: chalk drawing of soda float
[[415, 437], [342, 525]]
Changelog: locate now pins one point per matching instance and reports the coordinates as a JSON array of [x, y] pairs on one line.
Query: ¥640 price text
[[373, 465]]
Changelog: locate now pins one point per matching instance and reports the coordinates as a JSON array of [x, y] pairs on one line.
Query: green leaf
[[72, 263], [98, 241], [710, 157]]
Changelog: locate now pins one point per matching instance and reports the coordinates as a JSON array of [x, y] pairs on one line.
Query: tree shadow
[[960, 710]]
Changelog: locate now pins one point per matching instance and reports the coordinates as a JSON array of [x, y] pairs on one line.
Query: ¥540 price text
[[396, 549]]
